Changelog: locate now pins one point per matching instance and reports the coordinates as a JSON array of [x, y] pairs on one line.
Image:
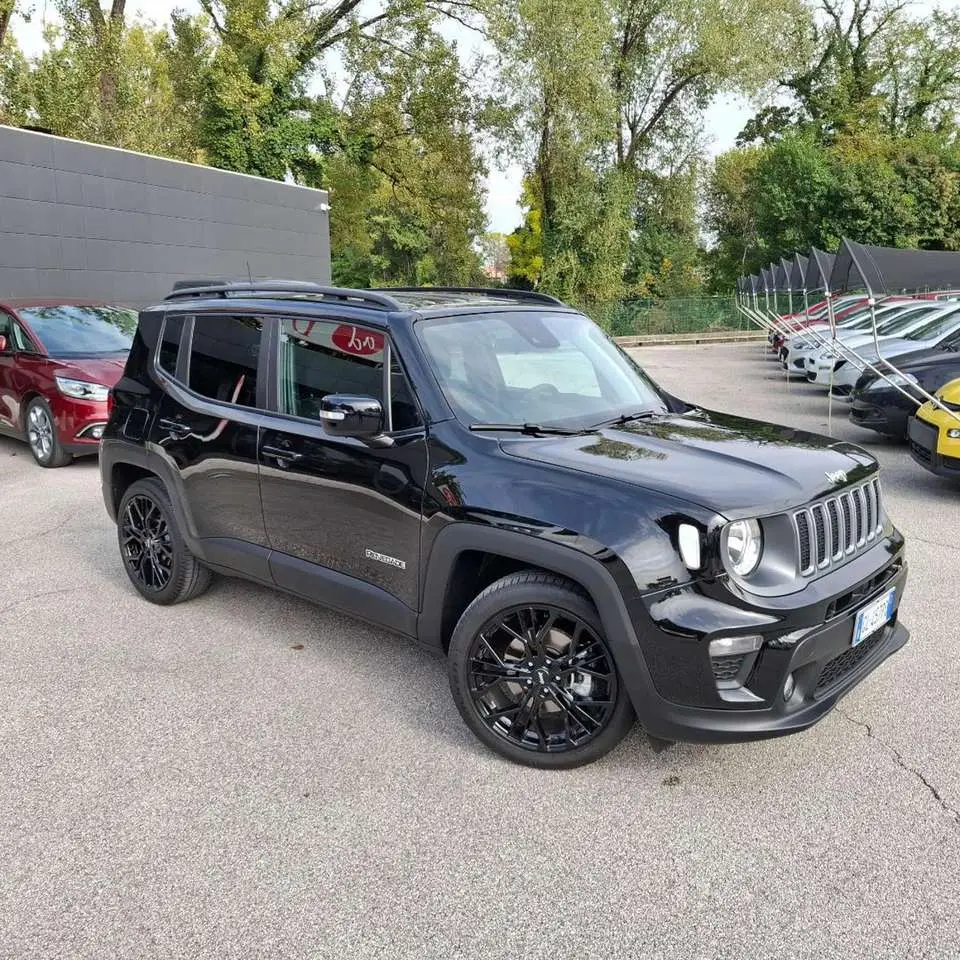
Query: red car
[[58, 362]]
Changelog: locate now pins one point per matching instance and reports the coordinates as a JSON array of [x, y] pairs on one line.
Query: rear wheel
[[533, 676], [155, 556], [42, 435]]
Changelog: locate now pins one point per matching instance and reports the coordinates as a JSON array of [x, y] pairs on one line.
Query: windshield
[[67, 331], [544, 368], [862, 319], [936, 327], [904, 319]]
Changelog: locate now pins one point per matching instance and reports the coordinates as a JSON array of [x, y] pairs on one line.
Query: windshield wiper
[[628, 418], [531, 429]]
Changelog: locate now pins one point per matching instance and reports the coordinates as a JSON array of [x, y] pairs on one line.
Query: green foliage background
[[397, 107]]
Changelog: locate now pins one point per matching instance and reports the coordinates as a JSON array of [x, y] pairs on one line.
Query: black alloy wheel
[[155, 556], [536, 679], [540, 678], [145, 543]]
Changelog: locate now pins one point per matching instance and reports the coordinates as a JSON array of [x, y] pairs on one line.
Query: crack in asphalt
[[933, 543], [39, 596], [36, 536], [952, 812]]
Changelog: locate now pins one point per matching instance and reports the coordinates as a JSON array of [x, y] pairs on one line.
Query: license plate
[[873, 616]]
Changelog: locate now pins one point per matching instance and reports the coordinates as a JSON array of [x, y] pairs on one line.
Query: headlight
[[743, 545], [81, 389], [896, 379]]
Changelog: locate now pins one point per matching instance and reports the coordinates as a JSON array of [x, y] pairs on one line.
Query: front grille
[[837, 668], [727, 668], [838, 527]]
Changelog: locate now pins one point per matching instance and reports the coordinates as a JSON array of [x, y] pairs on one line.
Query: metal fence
[[684, 315]]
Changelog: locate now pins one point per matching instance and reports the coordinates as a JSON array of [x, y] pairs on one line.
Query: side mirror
[[345, 415], [4, 345]]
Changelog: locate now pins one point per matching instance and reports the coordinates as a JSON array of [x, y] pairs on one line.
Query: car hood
[[93, 369], [733, 466], [892, 347]]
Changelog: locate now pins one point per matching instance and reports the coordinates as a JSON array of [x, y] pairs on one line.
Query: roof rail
[[187, 289], [502, 292]]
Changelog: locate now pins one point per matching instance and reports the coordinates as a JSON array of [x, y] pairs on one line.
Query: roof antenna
[[249, 274]]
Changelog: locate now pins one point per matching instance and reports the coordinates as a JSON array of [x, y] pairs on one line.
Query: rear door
[[339, 506], [207, 426]]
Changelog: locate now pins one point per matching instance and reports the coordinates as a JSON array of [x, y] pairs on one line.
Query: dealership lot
[[248, 775]]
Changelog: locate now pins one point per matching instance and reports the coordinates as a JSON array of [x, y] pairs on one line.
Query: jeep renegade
[[487, 472]]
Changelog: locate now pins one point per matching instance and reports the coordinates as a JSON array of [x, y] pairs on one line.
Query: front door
[[9, 402], [342, 505], [207, 427]]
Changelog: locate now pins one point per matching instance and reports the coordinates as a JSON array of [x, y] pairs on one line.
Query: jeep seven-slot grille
[[838, 527]]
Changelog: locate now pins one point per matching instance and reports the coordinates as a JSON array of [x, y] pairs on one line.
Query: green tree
[[611, 95], [665, 257], [6, 14], [406, 186], [526, 247]]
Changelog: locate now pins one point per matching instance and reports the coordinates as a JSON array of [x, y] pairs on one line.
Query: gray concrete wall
[[83, 221]]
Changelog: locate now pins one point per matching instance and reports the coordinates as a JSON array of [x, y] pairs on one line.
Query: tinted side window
[[318, 357], [223, 358], [169, 348], [403, 406]]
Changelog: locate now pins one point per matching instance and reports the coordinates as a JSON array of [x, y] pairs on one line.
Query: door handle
[[175, 428], [281, 453]]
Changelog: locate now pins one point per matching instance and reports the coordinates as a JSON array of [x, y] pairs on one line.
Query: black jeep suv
[[486, 472]]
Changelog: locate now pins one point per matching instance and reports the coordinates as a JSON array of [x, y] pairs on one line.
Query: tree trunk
[[108, 33], [6, 12]]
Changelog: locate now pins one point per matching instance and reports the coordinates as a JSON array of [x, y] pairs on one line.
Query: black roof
[[891, 269], [386, 299]]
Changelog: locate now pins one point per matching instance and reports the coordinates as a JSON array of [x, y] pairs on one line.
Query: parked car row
[[885, 363]]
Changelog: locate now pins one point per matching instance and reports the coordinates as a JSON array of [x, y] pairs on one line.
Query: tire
[[154, 554], [41, 431], [524, 698]]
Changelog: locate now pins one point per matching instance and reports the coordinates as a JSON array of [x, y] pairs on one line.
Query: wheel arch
[[124, 475], [460, 544]]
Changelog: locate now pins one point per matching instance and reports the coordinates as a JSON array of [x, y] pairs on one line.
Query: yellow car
[[935, 433]]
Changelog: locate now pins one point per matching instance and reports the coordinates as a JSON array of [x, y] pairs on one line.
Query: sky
[[724, 119]]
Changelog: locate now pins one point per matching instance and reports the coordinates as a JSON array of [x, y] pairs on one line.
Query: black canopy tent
[[890, 270], [878, 270], [798, 275], [784, 283], [819, 269], [765, 282]]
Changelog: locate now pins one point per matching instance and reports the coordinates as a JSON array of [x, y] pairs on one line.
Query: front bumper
[[880, 412], [80, 423], [811, 644], [929, 444], [824, 374]]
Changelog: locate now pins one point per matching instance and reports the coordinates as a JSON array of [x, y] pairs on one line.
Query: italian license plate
[[873, 616]]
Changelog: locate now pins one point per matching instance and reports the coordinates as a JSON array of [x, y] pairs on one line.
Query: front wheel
[[42, 435], [533, 675]]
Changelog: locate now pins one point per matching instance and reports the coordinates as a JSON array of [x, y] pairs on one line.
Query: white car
[[892, 323], [935, 329], [803, 346]]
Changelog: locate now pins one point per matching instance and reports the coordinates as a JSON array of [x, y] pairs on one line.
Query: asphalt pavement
[[248, 775]]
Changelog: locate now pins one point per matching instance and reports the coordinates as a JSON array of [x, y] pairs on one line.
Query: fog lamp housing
[[734, 646]]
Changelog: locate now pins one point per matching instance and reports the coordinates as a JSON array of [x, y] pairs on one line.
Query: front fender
[[596, 573]]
